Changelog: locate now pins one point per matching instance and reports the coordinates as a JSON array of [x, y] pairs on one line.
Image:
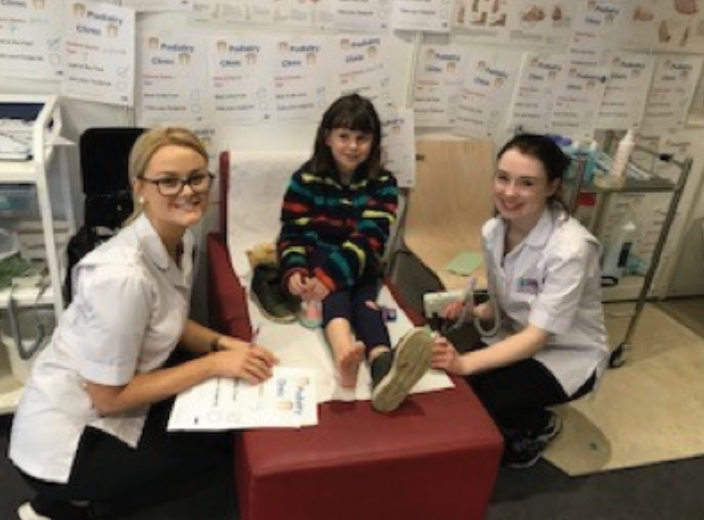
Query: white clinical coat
[[130, 307], [552, 280]]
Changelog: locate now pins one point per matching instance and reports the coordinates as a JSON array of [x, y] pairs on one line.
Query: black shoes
[[269, 295], [59, 511], [524, 449], [394, 373]]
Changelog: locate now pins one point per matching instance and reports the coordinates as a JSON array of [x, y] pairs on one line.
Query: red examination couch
[[436, 457]]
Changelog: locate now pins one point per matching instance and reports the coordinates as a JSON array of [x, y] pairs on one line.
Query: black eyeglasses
[[173, 186]]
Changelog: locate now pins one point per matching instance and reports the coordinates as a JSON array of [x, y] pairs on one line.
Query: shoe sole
[[26, 512], [268, 315], [411, 362], [525, 465]]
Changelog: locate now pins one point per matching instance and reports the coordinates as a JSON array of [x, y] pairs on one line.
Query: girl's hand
[[318, 290], [452, 311], [252, 363], [297, 284], [446, 357]]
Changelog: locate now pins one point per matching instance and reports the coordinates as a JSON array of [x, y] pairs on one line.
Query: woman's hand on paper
[[252, 363], [446, 357]]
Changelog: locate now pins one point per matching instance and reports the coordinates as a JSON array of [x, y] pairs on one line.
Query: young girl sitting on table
[[91, 424], [335, 223], [544, 279]]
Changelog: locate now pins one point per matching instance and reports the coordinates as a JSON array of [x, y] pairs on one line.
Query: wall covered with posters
[[257, 74]]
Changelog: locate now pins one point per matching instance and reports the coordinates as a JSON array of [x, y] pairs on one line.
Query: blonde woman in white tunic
[[91, 423]]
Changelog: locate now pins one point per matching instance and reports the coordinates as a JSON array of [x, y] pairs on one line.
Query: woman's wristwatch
[[215, 344]]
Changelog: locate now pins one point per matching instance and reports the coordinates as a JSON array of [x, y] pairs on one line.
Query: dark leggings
[[106, 469], [366, 322]]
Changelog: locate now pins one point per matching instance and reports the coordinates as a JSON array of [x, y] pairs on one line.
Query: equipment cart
[[653, 185]]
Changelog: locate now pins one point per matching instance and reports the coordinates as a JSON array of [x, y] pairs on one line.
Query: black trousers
[[516, 396], [107, 470]]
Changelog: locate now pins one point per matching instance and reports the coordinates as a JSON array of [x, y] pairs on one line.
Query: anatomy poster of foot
[[482, 19], [674, 25], [546, 22]]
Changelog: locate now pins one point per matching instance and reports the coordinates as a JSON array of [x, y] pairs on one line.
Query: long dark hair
[[555, 162], [352, 112]]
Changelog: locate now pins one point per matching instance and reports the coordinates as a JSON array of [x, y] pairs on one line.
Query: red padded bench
[[435, 458]]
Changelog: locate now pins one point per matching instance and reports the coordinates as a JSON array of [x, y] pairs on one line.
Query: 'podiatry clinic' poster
[[535, 92], [626, 91], [241, 78], [174, 87], [441, 70], [363, 66], [301, 78], [99, 53], [30, 38]]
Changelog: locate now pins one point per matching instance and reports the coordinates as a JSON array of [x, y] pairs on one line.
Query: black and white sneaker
[[60, 512], [524, 449], [394, 373], [27, 512]]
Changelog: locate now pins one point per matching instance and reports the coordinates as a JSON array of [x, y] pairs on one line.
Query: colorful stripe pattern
[[347, 226]]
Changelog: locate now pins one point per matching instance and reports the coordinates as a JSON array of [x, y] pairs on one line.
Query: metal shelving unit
[[34, 171], [654, 185]]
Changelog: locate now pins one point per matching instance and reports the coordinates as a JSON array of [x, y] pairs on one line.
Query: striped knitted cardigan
[[347, 226]]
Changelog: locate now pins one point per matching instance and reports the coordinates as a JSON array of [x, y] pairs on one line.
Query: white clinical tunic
[[552, 280], [128, 313]]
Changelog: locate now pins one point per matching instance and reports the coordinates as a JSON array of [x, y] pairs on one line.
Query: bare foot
[[685, 37], [663, 32], [348, 364], [500, 21], [534, 14], [460, 14], [557, 14], [686, 6], [643, 15]]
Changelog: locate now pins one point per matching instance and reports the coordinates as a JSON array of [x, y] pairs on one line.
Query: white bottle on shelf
[[623, 153], [618, 251]]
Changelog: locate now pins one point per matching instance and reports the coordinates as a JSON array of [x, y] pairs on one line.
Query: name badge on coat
[[527, 286]]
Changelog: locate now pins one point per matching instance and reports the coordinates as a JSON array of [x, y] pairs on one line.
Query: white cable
[[469, 297]]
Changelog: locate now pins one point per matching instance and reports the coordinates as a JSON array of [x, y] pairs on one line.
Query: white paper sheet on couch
[[257, 184], [297, 346]]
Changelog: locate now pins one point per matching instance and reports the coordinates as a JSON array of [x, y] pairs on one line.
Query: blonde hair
[[151, 142]]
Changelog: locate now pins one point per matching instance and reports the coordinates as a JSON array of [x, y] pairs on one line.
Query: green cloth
[[465, 263], [12, 267]]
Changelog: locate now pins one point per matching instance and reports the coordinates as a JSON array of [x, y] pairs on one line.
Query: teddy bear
[[263, 254]]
